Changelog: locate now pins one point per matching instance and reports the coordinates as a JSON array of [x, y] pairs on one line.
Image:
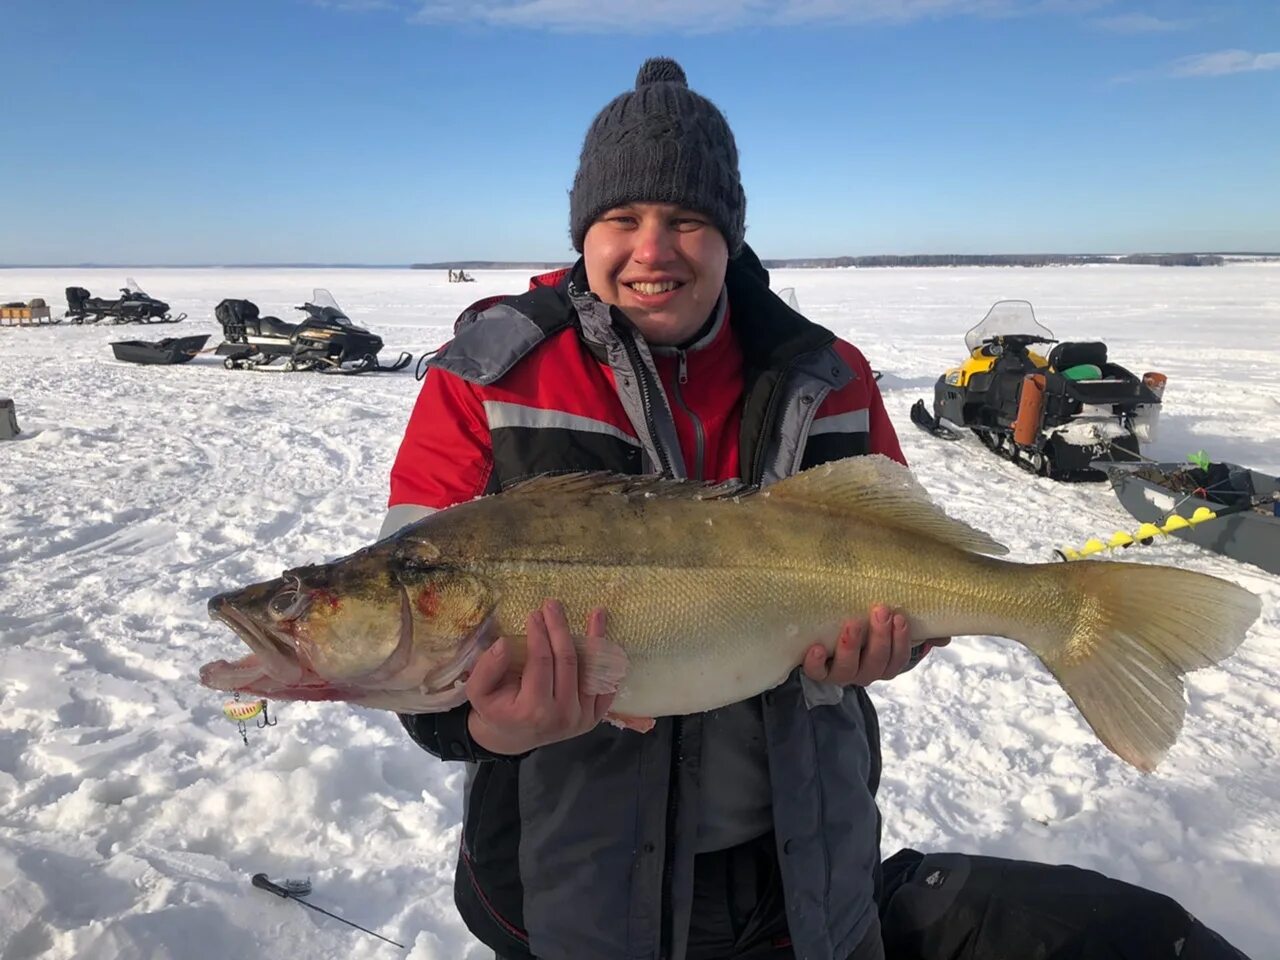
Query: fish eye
[[406, 563], [288, 602]]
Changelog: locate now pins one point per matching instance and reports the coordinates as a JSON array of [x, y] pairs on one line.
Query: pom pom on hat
[[661, 70]]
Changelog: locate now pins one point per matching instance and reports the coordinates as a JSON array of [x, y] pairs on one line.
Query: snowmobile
[[326, 340], [1053, 414], [133, 306]]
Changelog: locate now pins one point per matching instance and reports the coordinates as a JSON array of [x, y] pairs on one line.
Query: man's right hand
[[514, 712]]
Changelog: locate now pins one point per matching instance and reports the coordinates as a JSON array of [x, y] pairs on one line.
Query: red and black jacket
[[553, 380]]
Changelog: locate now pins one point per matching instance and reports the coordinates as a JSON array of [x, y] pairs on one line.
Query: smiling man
[[749, 831]]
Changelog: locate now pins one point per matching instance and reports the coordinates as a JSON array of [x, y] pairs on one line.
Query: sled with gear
[[1057, 413], [33, 313], [326, 340], [1222, 507], [133, 306], [166, 351]]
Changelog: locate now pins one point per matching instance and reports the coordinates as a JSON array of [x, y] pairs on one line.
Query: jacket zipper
[[682, 377], [646, 398], [677, 727], [757, 472], [669, 851]]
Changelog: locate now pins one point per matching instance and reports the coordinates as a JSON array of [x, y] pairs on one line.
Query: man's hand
[[514, 712], [878, 648]]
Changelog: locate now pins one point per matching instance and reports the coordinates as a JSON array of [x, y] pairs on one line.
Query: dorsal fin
[[883, 490], [627, 485]]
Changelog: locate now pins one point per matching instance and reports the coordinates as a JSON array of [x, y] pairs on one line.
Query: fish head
[[390, 617]]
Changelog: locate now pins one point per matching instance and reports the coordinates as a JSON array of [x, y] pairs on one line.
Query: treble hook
[[266, 720]]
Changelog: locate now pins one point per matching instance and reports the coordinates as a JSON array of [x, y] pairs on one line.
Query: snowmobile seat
[[275, 327], [1066, 355]]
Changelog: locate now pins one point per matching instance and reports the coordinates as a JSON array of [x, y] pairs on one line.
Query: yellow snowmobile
[[1054, 413]]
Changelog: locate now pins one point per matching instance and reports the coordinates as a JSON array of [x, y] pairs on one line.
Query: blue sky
[[390, 131]]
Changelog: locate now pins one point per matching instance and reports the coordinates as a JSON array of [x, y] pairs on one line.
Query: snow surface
[[131, 815]]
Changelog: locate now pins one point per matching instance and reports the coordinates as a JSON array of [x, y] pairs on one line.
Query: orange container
[[1030, 406], [1155, 382]]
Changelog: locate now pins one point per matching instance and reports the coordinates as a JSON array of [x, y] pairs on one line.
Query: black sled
[[326, 340], [1055, 415], [166, 351], [133, 306]]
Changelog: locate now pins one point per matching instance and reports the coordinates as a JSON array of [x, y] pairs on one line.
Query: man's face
[[661, 265]]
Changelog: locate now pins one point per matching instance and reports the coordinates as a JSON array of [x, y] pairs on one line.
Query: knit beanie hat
[[661, 143]]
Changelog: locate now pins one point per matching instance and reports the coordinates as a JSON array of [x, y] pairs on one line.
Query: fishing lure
[[242, 711]]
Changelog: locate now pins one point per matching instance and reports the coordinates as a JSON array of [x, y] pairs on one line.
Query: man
[[749, 831]]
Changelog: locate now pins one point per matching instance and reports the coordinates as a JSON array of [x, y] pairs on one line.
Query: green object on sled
[[1199, 459], [1083, 371]]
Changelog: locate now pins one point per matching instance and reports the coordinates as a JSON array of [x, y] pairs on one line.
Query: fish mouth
[[277, 667], [274, 657]]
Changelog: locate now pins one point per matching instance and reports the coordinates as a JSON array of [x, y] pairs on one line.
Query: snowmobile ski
[[927, 422]]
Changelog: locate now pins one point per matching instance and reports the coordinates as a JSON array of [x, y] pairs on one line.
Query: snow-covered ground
[[132, 816]]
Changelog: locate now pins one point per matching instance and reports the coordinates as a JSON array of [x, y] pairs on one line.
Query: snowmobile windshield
[[131, 285], [1006, 318], [320, 297]]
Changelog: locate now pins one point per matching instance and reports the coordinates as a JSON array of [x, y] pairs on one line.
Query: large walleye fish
[[715, 592]]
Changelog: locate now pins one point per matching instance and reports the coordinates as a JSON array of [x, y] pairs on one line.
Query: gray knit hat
[[661, 143]]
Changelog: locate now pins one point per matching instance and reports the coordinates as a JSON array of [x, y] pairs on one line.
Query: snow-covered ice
[[132, 816]]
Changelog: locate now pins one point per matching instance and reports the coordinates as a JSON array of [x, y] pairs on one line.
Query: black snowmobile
[[326, 340], [133, 306], [1053, 414]]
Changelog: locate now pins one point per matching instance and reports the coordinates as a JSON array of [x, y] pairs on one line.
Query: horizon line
[[519, 264]]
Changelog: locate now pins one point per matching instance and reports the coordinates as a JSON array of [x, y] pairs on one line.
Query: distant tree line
[[1001, 260], [489, 265], [901, 260]]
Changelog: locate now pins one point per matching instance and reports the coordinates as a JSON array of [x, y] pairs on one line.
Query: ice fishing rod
[[293, 890]]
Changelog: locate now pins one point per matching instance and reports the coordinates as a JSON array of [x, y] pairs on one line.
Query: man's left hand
[[877, 648]]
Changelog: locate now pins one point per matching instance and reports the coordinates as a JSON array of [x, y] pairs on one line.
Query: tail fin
[[1139, 630]]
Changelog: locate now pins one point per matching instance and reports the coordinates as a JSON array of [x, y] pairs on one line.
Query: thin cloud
[[711, 16], [353, 6], [1224, 62], [1137, 23], [1221, 63]]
